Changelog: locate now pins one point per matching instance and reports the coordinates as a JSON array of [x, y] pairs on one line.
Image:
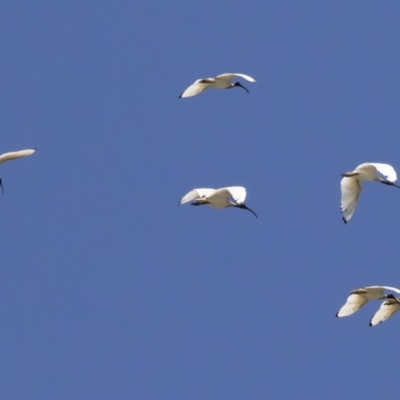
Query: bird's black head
[[238, 84], [390, 296]]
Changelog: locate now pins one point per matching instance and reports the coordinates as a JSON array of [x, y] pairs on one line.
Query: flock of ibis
[[234, 196]]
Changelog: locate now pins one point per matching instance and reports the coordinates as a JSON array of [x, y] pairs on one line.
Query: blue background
[[108, 289]]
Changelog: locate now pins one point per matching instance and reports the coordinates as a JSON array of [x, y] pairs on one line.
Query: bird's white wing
[[229, 76], [195, 194], [354, 303], [386, 170], [238, 193], [351, 189], [16, 154], [197, 87], [386, 310]]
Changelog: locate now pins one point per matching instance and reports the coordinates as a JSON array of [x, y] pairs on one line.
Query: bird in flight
[[219, 82], [351, 184], [232, 196], [360, 297]]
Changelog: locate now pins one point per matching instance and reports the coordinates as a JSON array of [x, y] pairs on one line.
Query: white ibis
[[351, 184], [219, 82], [12, 156], [232, 196], [359, 297], [386, 310]]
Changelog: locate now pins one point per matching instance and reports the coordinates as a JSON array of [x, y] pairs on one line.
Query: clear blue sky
[[108, 289]]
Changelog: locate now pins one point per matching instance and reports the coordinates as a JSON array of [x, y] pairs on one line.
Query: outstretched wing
[[197, 87], [16, 154], [238, 193], [354, 303], [350, 190], [195, 194], [387, 171], [229, 76], [386, 310]]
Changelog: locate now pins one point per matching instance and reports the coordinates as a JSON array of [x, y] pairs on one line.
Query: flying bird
[[219, 82], [359, 297], [351, 184], [12, 156], [232, 196], [386, 310]]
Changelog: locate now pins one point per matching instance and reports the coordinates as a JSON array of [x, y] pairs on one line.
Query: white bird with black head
[[232, 196], [219, 82], [351, 184]]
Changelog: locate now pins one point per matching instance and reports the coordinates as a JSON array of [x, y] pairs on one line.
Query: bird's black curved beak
[[244, 207], [1, 184], [390, 184], [240, 85]]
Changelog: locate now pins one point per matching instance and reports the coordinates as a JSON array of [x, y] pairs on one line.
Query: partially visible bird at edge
[[13, 156]]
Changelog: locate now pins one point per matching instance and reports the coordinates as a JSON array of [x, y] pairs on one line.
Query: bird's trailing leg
[[207, 80], [1, 184], [238, 84], [349, 174], [244, 207], [199, 202]]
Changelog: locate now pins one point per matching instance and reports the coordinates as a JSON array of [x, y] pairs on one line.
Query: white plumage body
[[232, 196], [351, 184], [222, 81]]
